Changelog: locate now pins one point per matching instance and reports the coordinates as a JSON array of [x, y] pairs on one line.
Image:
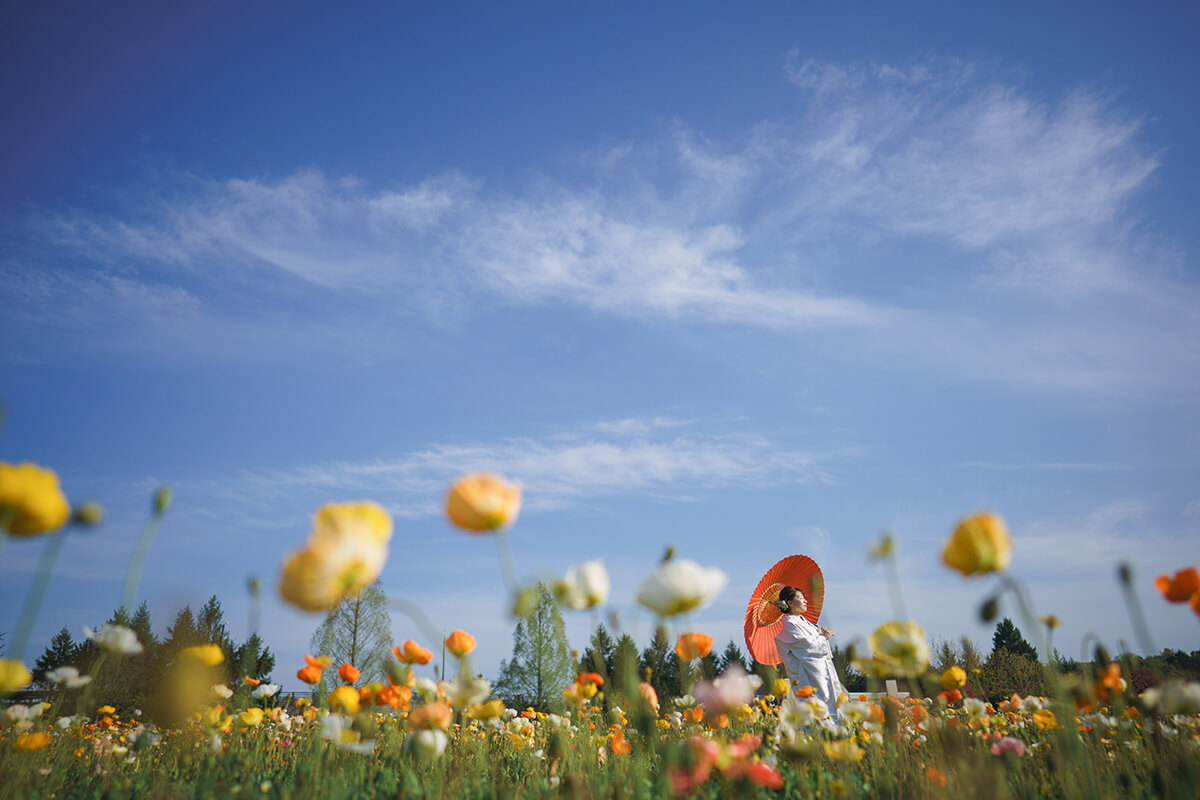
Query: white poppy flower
[[222, 691], [680, 585], [427, 689], [427, 743], [466, 689], [265, 690], [115, 639], [68, 676], [584, 586], [338, 730]]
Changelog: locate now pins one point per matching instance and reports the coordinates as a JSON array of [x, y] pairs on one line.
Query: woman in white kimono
[[804, 647]]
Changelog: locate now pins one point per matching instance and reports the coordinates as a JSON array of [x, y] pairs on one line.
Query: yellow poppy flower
[[980, 544], [251, 717], [13, 675], [844, 750], [28, 742], [31, 500], [345, 699], [346, 551], [899, 648], [483, 502], [954, 678], [207, 654]]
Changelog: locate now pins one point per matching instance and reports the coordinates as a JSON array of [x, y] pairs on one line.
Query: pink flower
[[734, 688], [1009, 745]]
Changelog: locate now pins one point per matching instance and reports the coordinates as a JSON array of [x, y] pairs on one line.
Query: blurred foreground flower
[[412, 653], [115, 639], [68, 676], [340, 732], [31, 500], [980, 544], [954, 678], [1009, 745], [460, 643], [265, 690], [426, 743], [483, 502], [346, 551], [693, 645], [431, 715], [733, 688], [13, 675], [584, 586], [348, 673], [897, 648], [208, 655], [28, 742], [680, 585], [1181, 588]]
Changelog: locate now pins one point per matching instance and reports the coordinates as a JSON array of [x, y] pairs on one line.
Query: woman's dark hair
[[785, 597]]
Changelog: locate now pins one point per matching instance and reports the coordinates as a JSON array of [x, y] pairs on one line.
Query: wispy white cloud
[[923, 214]]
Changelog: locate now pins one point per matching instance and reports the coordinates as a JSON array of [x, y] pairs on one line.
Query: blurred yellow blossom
[[344, 699], [346, 551], [844, 750], [897, 648], [979, 544], [28, 742], [208, 655], [954, 678], [31, 500], [13, 675], [251, 717]]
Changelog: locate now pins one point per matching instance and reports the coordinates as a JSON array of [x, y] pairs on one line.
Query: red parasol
[[763, 617]]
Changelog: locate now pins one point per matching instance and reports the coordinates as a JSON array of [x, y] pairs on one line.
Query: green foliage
[[852, 680], [541, 665], [598, 657], [1007, 673], [664, 673], [1008, 637], [732, 655], [59, 653], [625, 674]]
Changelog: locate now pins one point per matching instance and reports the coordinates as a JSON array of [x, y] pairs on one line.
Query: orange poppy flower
[[693, 645], [310, 674], [589, 679], [431, 715], [246, 679], [936, 777], [620, 746], [1196, 603], [460, 643], [1110, 683], [1181, 588], [320, 663], [412, 653], [483, 502], [349, 673], [805, 692]]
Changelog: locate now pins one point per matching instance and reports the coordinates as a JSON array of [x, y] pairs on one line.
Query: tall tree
[[1008, 637], [709, 667], [541, 662], [656, 658], [358, 631], [59, 653], [598, 657], [254, 659], [182, 633], [625, 677], [732, 655]]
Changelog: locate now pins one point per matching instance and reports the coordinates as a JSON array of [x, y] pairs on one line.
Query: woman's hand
[[826, 633]]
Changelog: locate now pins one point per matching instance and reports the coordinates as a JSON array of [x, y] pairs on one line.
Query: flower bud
[[989, 609], [88, 515], [162, 499]]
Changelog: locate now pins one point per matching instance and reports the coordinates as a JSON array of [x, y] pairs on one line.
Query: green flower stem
[[133, 576], [1136, 615], [414, 612], [507, 568], [37, 592], [893, 579]]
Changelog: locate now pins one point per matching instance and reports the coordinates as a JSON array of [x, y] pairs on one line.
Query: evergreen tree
[[358, 631], [182, 633], [598, 657], [656, 658], [254, 659], [1008, 637], [625, 677], [767, 672], [211, 628], [732, 655], [541, 664], [59, 653], [709, 667]]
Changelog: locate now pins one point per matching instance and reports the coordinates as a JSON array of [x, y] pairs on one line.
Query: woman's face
[[798, 604]]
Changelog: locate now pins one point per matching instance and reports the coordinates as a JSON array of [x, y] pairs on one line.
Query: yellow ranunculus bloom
[[31, 500], [483, 502], [954, 678], [106, 710], [251, 717], [345, 700], [207, 654], [13, 675], [28, 742], [346, 551], [980, 544]]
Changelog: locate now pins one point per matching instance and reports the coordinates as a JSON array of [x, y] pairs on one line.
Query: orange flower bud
[[460, 643], [431, 715], [805, 692], [349, 673], [693, 645]]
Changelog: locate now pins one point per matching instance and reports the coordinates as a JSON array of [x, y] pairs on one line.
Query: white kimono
[[808, 660]]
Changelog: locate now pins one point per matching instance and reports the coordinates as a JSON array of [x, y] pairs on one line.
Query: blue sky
[[749, 279]]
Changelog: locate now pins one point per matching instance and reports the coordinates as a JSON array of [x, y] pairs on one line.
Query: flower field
[[216, 733]]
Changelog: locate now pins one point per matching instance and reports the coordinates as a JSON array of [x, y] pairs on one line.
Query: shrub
[[1006, 673]]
